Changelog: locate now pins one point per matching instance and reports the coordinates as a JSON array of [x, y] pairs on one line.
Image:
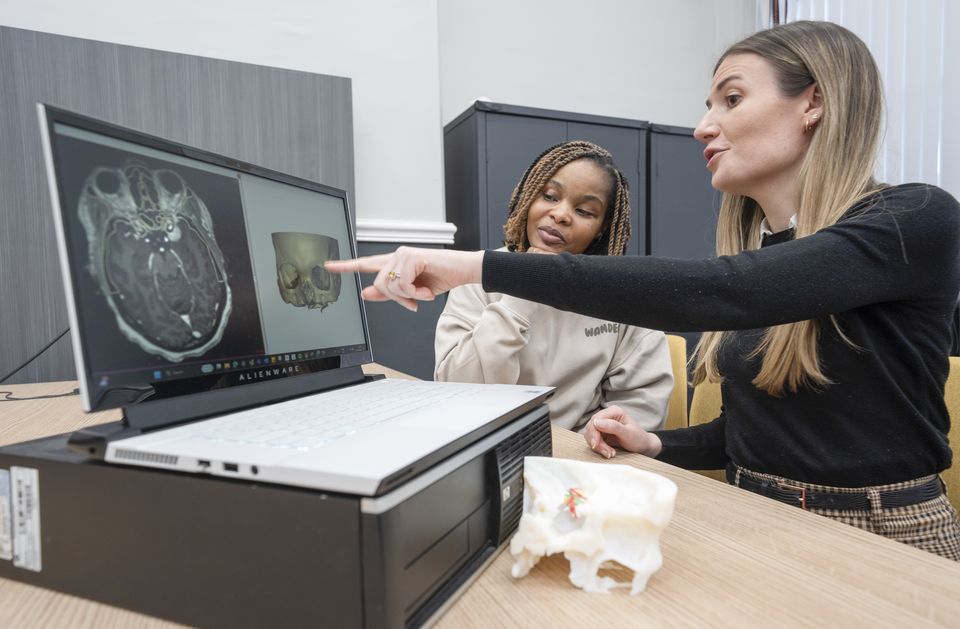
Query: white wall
[[641, 59], [389, 50]]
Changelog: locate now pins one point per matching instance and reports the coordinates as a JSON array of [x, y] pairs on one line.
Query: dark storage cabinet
[[487, 148], [683, 205]]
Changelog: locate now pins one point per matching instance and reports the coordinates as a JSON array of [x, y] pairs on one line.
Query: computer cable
[[35, 356], [8, 394]]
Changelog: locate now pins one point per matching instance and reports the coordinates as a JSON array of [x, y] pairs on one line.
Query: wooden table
[[731, 559]]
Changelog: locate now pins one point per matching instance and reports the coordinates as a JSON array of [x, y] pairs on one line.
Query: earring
[[811, 122]]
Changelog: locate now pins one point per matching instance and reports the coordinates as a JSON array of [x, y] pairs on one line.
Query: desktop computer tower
[[214, 552]]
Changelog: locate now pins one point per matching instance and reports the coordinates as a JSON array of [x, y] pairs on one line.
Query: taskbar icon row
[[260, 361], [175, 372]]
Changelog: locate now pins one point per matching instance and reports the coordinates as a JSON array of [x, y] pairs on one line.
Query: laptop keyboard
[[315, 420]]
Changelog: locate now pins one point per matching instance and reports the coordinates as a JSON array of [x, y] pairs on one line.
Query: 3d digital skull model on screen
[[153, 253], [301, 278], [595, 514]]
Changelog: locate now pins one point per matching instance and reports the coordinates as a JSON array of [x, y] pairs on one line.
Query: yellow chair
[[677, 408], [705, 407], [951, 396]]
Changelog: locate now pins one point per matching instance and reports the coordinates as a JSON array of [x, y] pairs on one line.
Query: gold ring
[[393, 275]]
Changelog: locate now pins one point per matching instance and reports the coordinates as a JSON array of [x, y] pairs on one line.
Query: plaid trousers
[[932, 526]]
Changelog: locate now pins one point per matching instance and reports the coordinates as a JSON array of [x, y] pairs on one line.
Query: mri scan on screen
[[154, 255]]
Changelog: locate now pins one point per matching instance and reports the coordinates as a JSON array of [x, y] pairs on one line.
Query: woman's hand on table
[[612, 428]]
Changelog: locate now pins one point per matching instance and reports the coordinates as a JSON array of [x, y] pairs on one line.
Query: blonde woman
[[572, 199], [829, 304]]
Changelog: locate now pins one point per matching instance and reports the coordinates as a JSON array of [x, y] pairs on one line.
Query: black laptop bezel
[[168, 403]]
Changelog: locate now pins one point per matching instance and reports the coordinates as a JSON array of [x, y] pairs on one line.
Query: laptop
[[199, 304]]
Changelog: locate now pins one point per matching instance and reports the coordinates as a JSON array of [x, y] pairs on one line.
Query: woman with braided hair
[[572, 199], [827, 311], [613, 228]]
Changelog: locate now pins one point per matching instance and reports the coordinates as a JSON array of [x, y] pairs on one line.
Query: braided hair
[[616, 233]]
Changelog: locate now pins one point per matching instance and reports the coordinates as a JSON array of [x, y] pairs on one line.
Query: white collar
[[765, 226]]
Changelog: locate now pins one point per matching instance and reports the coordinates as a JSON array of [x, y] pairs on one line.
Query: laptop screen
[[187, 271]]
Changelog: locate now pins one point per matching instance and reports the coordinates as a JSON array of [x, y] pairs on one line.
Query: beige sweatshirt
[[496, 338]]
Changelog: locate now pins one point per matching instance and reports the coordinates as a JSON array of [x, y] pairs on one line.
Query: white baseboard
[[413, 232]]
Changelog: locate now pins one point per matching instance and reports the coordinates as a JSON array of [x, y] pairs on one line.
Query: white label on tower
[[6, 517], [25, 487]]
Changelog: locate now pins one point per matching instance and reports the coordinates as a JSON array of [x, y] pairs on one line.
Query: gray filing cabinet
[[682, 204]]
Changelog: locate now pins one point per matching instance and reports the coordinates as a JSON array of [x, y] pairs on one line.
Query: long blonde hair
[[836, 172]]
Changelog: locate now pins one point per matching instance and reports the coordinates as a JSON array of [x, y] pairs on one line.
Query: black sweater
[[890, 272]]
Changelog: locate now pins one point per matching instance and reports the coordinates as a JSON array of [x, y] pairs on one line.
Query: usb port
[[230, 467]]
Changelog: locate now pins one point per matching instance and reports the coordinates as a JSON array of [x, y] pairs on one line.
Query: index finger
[[592, 435], [367, 264], [596, 442]]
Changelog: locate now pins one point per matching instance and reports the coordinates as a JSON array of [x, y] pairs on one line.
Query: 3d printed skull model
[[301, 278], [154, 255], [593, 513]]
